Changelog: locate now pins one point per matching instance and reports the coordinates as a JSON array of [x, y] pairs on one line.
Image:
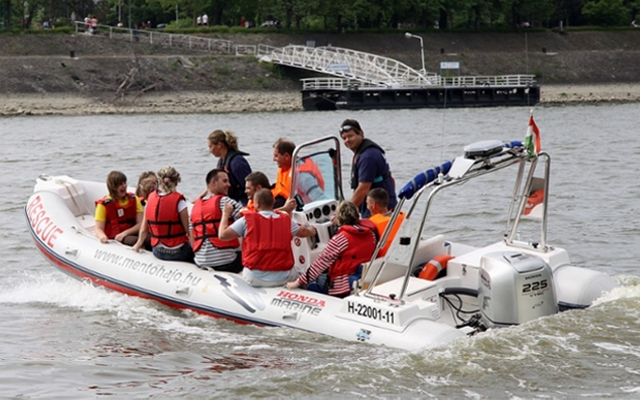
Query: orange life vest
[[250, 207], [282, 186], [205, 220], [362, 243], [434, 267], [164, 222], [119, 218], [381, 221], [309, 166], [267, 243]]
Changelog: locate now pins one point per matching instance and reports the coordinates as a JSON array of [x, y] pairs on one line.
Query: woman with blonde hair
[[351, 246], [166, 219], [119, 214], [224, 145]]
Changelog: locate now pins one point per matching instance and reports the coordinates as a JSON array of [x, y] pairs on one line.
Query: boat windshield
[[316, 176]]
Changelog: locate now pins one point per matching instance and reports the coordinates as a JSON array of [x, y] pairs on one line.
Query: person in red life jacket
[[369, 168], [266, 246], [166, 219], [210, 251], [378, 206], [345, 252], [258, 180], [119, 214], [147, 183], [224, 145]]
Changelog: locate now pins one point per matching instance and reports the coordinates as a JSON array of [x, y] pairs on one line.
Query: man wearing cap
[[369, 168]]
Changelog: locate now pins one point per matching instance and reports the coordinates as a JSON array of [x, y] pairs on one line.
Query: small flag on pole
[[532, 141]]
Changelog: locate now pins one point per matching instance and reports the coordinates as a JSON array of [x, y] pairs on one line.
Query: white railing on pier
[[350, 64], [351, 69], [440, 82], [497, 80]]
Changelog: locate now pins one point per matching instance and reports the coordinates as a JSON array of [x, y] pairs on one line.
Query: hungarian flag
[[532, 141]]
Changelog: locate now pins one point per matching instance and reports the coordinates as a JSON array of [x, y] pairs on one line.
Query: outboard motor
[[515, 288]]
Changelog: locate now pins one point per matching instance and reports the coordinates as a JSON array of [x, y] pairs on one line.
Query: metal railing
[[350, 64], [159, 38], [458, 82], [351, 69]]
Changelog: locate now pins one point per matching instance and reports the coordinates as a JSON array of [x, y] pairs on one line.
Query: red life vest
[[164, 222], [362, 243], [205, 220], [267, 243], [119, 218]]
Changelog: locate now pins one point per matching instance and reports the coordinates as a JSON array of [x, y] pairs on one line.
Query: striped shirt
[[327, 258], [209, 256]]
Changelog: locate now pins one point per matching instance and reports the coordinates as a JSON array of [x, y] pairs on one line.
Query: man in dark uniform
[[369, 168]]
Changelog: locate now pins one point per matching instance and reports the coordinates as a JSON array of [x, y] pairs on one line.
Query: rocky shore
[[253, 101]]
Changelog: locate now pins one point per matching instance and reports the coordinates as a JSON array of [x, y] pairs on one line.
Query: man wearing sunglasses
[[369, 168]]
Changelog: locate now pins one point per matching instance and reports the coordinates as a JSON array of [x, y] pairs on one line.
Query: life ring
[[431, 269], [533, 200]]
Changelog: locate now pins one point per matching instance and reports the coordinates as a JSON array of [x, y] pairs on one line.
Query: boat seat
[[393, 268]]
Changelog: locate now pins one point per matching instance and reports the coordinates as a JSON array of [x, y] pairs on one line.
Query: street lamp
[[409, 36]]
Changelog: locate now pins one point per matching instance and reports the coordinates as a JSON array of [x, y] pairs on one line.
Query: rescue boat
[[464, 289]]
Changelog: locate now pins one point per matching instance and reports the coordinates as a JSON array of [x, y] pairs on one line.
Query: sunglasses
[[345, 128]]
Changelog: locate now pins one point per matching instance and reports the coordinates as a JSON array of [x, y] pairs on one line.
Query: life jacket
[[250, 207], [362, 242], [236, 190], [164, 222], [119, 218], [381, 221], [282, 187], [310, 167], [267, 243], [366, 143], [205, 222]]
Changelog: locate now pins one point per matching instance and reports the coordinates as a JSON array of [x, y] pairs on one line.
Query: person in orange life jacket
[[224, 145], [282, 153], [353, 245], [369, 168], [310, 180], [266, 248], [166, 218], [210, 251], [378, 206], [147, 183], [258, 180], [119, 214]]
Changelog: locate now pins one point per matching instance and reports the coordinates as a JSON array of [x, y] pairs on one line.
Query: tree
[[606, 12]]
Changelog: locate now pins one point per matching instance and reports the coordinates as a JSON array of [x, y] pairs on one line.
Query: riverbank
[[252, 101]]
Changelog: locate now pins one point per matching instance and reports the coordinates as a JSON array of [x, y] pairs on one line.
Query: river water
[[61, 338]]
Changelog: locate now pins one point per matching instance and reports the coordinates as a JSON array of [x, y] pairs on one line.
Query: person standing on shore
[[369, 168], [224, 145]]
